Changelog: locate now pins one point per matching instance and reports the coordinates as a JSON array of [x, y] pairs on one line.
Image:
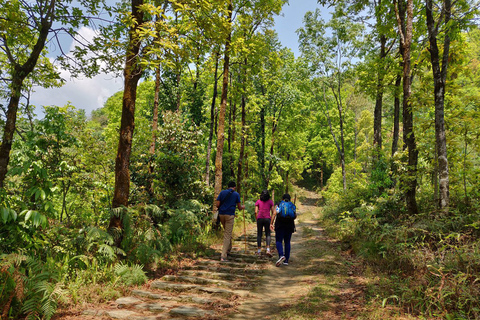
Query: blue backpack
[[287, 210]]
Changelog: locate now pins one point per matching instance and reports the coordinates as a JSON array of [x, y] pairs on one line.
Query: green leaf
[[4, 214], [28, 215]]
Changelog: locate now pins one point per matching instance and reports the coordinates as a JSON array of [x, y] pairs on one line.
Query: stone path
[[250, 286], [209, 289]]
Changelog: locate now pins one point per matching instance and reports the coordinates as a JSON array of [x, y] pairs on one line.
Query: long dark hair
[[265, 196]]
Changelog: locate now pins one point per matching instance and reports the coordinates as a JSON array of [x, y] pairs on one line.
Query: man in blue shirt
[[227, 201]]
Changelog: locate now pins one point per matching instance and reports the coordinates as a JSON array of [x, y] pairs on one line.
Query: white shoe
[[280, 261]]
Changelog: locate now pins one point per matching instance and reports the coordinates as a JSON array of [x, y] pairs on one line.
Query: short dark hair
[[287, 197], [232, 184], [265, 195]]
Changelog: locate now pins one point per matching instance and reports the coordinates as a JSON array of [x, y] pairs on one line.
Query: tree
[[326, 58], [439, 18], [404, 14], [22, 21]]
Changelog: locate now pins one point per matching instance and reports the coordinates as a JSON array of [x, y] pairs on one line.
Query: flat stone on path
[[127, 301], [190, 311], [151, 295], [198, 280]]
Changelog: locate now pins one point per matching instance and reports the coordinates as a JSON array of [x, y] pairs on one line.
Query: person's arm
[[272, 222], [217, 203], [240, 207], [256, 211]]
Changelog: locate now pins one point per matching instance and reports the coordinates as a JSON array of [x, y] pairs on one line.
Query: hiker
[[263, 213], [284, 221], [226, 202]]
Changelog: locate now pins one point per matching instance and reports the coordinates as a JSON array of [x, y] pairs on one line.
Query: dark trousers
[[261, 225], [282, 236]]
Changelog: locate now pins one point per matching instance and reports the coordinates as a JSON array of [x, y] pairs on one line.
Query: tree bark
[[396, 114], [377, 115], [406, 34], [132, 74], [243, 133], [20, 73], [439, 80], [212, 122], [221, 116]]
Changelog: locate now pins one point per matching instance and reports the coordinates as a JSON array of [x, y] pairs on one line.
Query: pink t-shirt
[[264, 208]]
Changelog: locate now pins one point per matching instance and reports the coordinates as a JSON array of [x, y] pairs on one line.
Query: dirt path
[[316, 264], [320, 282]]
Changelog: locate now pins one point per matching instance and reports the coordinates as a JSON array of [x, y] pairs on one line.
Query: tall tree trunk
[[262, 146], [221, 116], [406, 34], [396, 114], [20, 73], [439, 80], [243, 132], [377, 115], [287, 175], [154, 131], [212, 122], [132, 74], [338, 98], [338, 145]]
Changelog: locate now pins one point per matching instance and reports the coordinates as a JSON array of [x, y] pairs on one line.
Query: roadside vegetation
[[380, 119]]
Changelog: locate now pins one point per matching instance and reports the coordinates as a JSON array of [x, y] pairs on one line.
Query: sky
[[91, 94]]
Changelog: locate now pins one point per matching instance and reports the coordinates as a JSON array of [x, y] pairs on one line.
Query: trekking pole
[[244, 226]]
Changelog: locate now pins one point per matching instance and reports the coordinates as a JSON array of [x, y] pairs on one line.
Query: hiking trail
[[248, 286]]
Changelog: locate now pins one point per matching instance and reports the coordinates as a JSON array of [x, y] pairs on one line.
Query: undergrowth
[[80, 265], [431, 262]]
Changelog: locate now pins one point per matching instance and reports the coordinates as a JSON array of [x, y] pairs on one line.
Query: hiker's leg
[[259, 233], [287, 238], [227, 223], [279, 234], [268, 232]]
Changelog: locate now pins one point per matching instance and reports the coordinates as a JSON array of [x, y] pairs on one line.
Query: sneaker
[[285, 263], [280, 261], [269, 254], [223, 260]]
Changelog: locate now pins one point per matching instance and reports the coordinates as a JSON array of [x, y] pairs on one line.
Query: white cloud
[[83, 93]]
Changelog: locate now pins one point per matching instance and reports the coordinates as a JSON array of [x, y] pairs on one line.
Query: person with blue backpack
[[283, 222]]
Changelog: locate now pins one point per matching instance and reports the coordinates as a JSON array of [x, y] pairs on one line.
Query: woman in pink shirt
[[263, 213]]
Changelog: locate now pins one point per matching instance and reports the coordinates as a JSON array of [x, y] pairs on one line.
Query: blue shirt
[[228, 207]]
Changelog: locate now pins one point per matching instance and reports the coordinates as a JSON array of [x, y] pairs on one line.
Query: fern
[[42, 291], [130, 275]]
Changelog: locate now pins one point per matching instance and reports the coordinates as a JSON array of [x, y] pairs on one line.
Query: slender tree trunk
[[221, 116], [212, 123], [154, 131], [439, 80], [243, 132], [155, 112], [464, 175], [287, 175], [262, 146], [396, 114], [20, 73], [339, 147], [338, 98], [132, 74], [406, 32], [377, 115]]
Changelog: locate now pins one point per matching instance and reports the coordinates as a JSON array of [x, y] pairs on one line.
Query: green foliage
[[29, 287], [130, 275]]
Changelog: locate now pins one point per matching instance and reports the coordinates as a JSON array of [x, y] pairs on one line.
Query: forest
[[379, 115]]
